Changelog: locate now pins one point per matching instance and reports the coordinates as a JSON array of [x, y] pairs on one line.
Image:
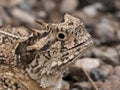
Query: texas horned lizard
[[36, 59]]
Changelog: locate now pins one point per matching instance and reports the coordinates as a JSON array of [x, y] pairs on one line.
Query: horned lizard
[[32, 59]]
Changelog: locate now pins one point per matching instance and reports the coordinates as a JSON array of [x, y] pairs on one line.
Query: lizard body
[[36, 59]]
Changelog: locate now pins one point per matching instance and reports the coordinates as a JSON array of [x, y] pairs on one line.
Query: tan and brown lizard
[[33, 59]]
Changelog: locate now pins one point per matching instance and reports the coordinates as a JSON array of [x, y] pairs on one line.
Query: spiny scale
[[33, 59]]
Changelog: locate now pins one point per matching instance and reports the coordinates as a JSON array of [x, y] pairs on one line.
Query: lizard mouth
[[86, 42], [79, 48], [82, 46]]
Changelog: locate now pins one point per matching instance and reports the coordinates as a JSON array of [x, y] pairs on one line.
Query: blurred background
[[102, 20]]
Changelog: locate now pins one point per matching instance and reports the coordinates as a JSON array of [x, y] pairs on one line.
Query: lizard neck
[[47, 77]]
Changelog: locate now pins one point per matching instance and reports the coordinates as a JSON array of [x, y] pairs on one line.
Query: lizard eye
[[61, 36]]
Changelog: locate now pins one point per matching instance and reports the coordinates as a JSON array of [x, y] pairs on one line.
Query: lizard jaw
[[80, 48], [78, 51]]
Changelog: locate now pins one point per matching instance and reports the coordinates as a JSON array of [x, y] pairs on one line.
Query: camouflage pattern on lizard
[[32, 59]]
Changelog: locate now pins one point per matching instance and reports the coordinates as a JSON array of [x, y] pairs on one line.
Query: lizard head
[[63, 41], [60, 43], [67, 40]]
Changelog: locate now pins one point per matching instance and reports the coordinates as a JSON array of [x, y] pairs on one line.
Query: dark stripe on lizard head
[[48, 44]]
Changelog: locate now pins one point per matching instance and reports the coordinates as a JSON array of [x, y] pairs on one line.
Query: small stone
[[11, 2], [83, 86], [22, 15], [74, 89], [81, 15], [101, 73], [88, 63], [27, 5], [49, 5], [4, 17], [113, 83], [97, 75], [107, 54], [117, 71], [99, 83], [68, 5], [118, 34], [117, 15], [0, 22], [117, 4], [90, 11], [99, 6], [105, 32], [42, 14], [106, 70], [65, 85], [118, 49]]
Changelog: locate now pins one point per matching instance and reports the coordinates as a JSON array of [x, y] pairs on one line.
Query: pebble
[[18, 14], [74, 89], [65, 85], [68, 5], [27, 5], [97, 75], [118, 49], [113, 83], [108, 55], [98, 6], [99, 83], [88, 63], [4, 17], [105, 32], [83, 86], [0, 22], [42, 14], [117, 15], [11, 2], [107, 70], [101, 73], [117, 71], [90, 11], [117, 4], [49, 5]]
